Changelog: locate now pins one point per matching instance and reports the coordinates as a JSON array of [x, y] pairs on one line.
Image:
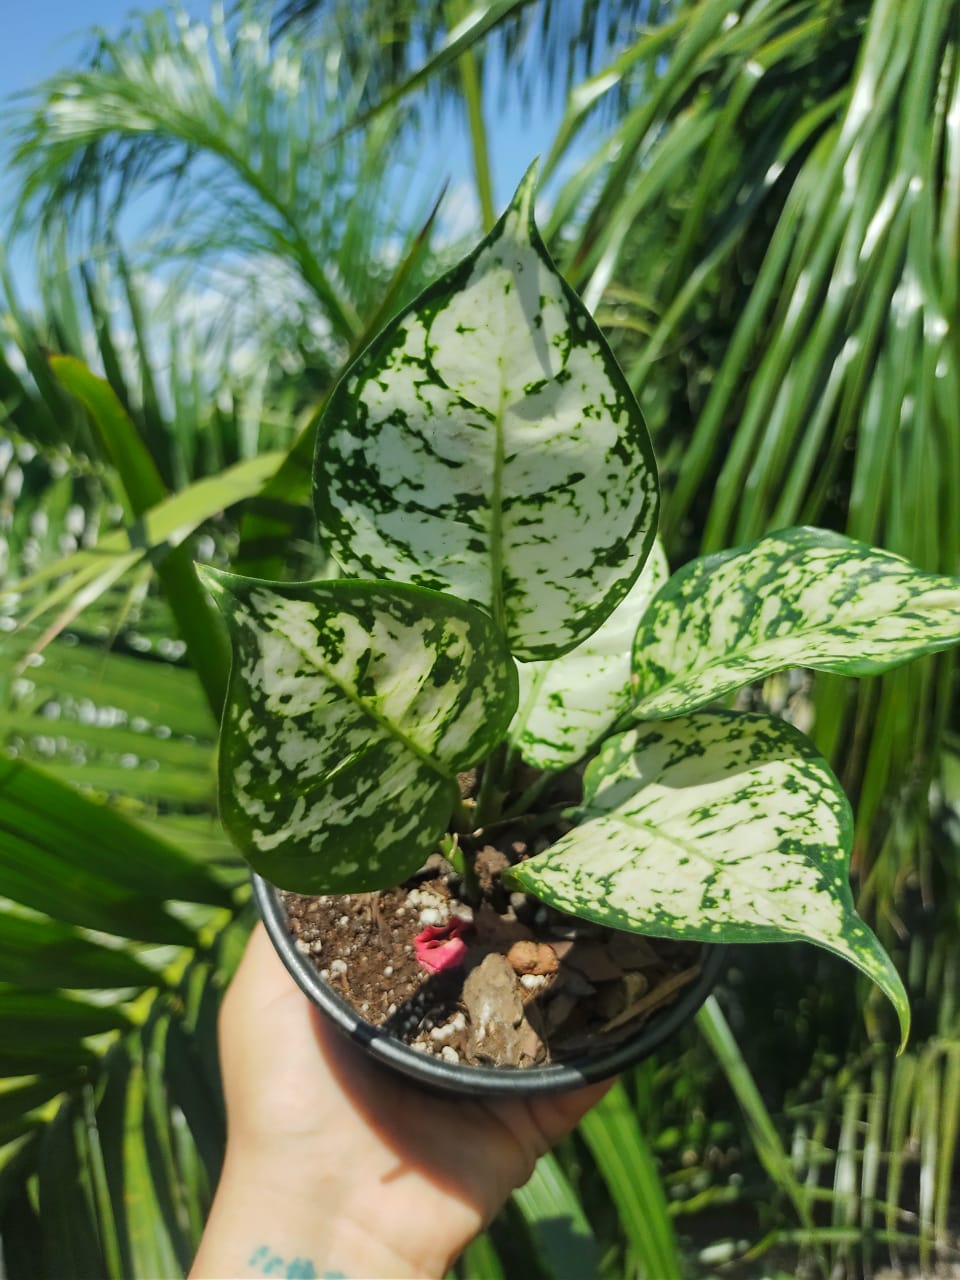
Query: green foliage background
[[767, 223]]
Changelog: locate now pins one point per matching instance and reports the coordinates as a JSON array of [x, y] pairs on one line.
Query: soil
[[532, 985]]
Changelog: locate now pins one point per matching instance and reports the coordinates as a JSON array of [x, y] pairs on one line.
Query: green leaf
[[144, 489], [717, 827], [27, 1059], [19, 1099], [716, 1032], [487, 444], [21, 1233], [559, 1227], [189, 1090], [45, 954], [626, 1162], [72, 1248], [480, 1258], [134, 1186], [168, 523], [568, 704], [177, 754], [352, 706], [48, 1020], [181, 786], [157, 692], [798, 598], [119, 437], [86, 864]]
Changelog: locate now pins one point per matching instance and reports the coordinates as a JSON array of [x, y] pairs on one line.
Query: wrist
[[286, 1216]]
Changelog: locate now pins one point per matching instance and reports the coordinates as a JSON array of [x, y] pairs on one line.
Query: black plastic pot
[[434, 1073]]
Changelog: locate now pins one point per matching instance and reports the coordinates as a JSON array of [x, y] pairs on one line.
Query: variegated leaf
[[798, 598], [487, 444], [566, 705], [351, 708], [717, 827]]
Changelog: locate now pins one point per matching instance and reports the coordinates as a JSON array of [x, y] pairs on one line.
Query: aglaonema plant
[[487, 487]]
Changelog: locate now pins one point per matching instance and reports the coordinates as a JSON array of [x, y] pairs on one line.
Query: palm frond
[[780, 196], [121, 1148], [242, 137], [546, 47]]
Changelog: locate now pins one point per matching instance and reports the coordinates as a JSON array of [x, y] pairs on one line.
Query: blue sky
[[40, 37]]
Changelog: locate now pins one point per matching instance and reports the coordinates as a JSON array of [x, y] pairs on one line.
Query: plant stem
[[464, 819], [530, 822], [469, 884], [489, 797], [532, 794], [462, 861]]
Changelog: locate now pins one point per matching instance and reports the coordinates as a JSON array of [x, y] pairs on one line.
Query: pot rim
[[462, 1077]]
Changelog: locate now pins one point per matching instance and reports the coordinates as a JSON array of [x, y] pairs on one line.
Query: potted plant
[[498, 705]]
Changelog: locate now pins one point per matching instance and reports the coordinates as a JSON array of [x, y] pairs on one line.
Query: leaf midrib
[[379, 720], [629, 820], [496, 508]]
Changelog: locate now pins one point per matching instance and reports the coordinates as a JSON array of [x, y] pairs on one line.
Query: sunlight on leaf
[[568, 704], [487, 444], [351, 707], [798, 598], [717, 827]]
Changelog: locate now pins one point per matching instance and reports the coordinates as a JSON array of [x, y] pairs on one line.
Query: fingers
[[557, 1116]]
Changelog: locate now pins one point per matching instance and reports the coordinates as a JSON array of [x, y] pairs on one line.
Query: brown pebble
[[532, 957], [531, 1046], [495, 1012], [573, 983], [492, 930], [489, 862]]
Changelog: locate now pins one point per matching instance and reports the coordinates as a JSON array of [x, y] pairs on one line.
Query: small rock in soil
[[495, 1012], [528, 956], [557, 984]]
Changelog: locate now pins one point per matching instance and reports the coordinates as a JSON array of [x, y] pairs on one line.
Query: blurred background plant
[[761, 202]]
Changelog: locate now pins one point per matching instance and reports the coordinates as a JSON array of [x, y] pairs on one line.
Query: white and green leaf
[[716, 827], [569, 703], [798, 598], [487, 444], [352, 707]]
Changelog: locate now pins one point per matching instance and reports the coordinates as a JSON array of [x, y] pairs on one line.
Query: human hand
[[334, 1166]]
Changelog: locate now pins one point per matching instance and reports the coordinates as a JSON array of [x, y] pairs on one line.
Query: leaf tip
[[891, 984], [523, 197], [211, 580]]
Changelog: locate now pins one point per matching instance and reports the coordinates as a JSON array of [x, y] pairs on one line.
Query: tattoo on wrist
[[270, 1263]]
